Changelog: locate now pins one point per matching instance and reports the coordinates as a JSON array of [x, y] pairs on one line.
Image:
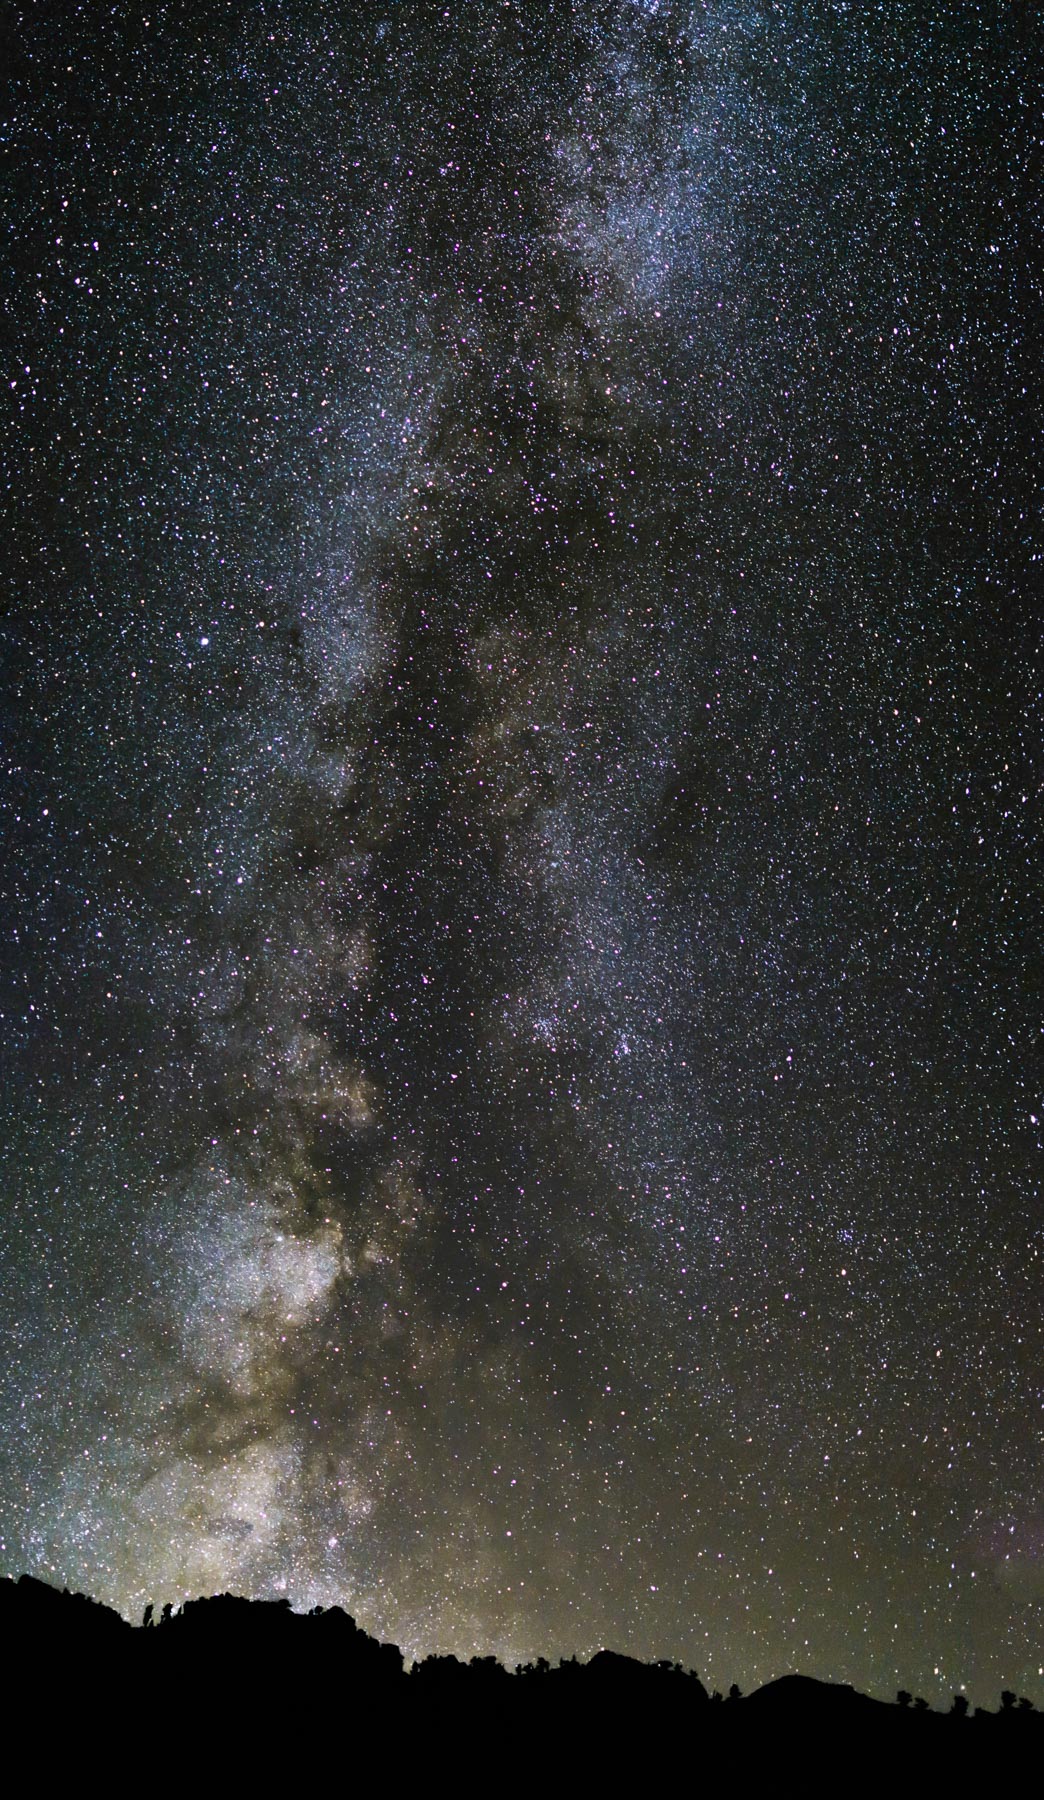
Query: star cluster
[[521, 801]]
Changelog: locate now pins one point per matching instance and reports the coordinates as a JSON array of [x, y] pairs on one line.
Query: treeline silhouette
[[214, 1663]]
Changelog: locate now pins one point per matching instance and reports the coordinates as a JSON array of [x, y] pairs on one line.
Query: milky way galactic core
[[521, 725]]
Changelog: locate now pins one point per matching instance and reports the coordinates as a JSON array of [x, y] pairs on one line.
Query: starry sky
[[521, 713]]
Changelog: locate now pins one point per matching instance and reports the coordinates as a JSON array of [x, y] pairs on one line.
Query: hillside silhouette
[[241, 1680]]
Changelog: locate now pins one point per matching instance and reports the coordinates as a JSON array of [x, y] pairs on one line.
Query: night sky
[[521, 766]]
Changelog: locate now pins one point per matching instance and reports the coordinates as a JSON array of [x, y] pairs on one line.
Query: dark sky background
[[521, 722]]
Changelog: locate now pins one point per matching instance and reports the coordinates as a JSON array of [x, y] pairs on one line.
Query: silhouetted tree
[[735, 1692], [903, 1697], [1025, 1705], [920, 1704], [1007, 1700], [487, 1668], [960, 1705]]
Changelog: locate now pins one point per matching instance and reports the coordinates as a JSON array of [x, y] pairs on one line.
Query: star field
[[521, 804]]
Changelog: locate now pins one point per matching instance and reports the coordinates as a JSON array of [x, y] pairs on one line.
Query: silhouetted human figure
[[146, 1617]]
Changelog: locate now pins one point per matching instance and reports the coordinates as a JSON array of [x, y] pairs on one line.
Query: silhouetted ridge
[[227, 1624], [30, 1609], [802, 1693], [215, 1663]]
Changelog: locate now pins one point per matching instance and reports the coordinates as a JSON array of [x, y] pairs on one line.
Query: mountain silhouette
[[252, 1684]]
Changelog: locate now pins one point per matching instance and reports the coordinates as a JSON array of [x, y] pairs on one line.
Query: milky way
[[521, 801]]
